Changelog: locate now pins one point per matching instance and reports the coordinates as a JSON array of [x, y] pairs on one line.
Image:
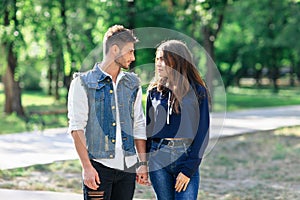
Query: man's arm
[[78, 115], [90, 175], [141, 149], [140, 139], [142, 171]]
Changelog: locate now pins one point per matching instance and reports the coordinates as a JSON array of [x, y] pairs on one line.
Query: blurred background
[[255, 45]]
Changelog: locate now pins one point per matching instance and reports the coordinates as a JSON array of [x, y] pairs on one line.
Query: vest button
[[113, 141], [111, 91], [113, 107], [111, 156], [114, 124]]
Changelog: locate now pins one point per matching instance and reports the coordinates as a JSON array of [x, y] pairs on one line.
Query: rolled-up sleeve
[[139, 129], [77, 106]]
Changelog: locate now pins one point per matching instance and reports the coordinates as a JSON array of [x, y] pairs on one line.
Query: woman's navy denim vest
[[100, 131]]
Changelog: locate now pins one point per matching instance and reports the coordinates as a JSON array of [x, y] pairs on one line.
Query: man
[[107, 123]]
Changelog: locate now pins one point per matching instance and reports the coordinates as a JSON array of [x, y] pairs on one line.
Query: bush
[[31, 80]]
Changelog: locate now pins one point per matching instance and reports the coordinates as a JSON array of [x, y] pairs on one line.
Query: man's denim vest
[[101, 125]]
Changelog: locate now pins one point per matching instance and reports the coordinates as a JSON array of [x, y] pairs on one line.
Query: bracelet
[[143, 163]]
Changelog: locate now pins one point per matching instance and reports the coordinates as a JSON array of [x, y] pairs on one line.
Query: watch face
[[143, 163]]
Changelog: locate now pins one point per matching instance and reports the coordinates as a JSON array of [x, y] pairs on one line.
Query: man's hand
[[91, 178], [142, 175], [182, 182]]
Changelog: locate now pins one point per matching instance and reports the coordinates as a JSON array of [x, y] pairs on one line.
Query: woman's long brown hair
[[181, 71]]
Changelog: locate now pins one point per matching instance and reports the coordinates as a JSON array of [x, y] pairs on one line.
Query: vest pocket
[[100, 93]]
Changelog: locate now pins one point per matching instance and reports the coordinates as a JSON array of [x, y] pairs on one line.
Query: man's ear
[[115, 49]]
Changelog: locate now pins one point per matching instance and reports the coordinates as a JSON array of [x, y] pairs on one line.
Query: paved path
[[37, 195], [25, 149], [253, 120]]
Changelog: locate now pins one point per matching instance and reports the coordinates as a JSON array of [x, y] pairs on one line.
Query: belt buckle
[[171, 143]]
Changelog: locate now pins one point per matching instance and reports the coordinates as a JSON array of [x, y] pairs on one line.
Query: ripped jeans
[[115, 184]]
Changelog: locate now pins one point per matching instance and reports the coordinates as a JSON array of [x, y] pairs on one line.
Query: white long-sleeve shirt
[[78, 117]]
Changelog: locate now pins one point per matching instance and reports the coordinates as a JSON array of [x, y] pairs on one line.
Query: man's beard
[[120, 64]]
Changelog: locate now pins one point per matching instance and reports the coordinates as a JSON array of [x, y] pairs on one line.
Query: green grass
[[237, 99], [33, 101], [61, 176], [246, 98]]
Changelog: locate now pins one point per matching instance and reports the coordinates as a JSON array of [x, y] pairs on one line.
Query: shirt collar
[[120, 75]]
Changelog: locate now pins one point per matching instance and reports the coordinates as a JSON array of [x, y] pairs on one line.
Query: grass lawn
[[246, 98], [33, 101], [264, 166], [237, 98], [261, 166]]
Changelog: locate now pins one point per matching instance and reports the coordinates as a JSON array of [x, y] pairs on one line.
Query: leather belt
[[172, 143]]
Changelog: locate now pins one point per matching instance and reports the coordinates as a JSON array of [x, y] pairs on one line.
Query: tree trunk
[[210, 35], [50, 78], [12, 88], [67, 78], [209, 47], [275, 76], [131, 24], [57, 75], [292, 78]]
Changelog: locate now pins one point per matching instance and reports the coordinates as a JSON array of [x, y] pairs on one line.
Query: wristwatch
[[143, 163]]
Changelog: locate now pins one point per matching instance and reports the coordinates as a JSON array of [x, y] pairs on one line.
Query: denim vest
[[100, 131]]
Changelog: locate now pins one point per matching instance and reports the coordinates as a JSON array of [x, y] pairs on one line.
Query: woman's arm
[[196, 150]]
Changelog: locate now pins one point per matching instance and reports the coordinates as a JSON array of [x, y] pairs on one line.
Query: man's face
[[126, 56]]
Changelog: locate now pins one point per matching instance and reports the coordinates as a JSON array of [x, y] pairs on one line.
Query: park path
[[25, 149]]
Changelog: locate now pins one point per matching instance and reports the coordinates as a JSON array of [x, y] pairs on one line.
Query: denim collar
[[99, 75]]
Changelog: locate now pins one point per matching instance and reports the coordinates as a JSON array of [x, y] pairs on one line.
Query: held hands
[[182, 182], [142, 175], [91, 178]]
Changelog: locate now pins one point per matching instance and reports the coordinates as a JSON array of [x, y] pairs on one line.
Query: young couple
[[108, 126]]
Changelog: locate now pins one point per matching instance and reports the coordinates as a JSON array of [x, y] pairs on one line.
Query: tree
[[9, 41], [203, 21], [265, 40]]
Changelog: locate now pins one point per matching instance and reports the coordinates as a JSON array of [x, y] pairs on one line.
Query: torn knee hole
[[96, 195]]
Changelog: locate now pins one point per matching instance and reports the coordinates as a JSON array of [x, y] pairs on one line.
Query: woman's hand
[[182, 182]]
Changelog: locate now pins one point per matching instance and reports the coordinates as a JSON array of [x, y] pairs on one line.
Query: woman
[[177, 123]]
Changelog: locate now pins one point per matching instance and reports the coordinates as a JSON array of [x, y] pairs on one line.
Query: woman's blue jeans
[[163, 170]]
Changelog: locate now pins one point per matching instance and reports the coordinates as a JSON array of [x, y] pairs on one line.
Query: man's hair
[[118, 35]]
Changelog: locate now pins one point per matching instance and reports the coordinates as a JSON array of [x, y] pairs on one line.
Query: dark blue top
[[192, 122]]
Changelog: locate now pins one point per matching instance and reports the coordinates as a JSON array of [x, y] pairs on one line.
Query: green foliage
[[52, 39], [31, 80], [263, 38]]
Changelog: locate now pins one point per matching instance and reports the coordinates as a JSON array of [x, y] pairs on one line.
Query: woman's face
[[160, 64]]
